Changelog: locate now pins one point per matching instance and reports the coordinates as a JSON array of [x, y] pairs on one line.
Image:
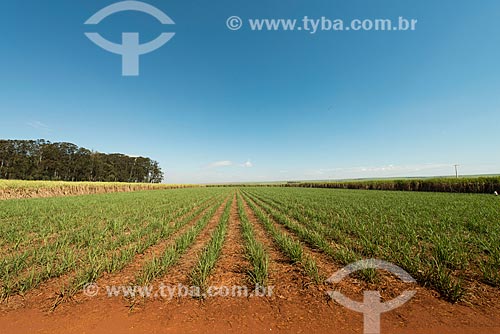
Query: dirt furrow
[[326, 265], [179, 273], [280, 267], [232, 265], [294, 296], [127, 274]]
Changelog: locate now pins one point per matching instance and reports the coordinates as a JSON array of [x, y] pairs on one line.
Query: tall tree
[[43, 160]]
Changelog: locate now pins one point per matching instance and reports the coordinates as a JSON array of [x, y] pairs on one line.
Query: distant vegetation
[[472, 184], [43, 160], [486, 185], [10, 189]]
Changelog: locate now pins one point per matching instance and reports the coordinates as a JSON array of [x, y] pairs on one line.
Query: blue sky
[[215, 105]]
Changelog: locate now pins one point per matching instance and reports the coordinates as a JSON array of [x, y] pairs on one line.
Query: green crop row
[[210, 254], [159, 265], [290, 247], [255, 250]]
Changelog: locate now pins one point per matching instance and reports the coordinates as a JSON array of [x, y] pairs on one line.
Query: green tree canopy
[[43, 160]]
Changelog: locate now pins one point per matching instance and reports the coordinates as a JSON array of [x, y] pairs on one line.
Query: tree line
[[43, 160]]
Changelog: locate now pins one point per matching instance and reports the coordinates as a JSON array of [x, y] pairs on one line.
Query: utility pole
[[456, 170]]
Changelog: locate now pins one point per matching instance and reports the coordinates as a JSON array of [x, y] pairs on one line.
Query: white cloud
[[247, 164], [223, 163], [228, 163], [383, 171], [38, 125]]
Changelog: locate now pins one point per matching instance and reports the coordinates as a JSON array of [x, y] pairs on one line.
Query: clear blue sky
[[215, 105]]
